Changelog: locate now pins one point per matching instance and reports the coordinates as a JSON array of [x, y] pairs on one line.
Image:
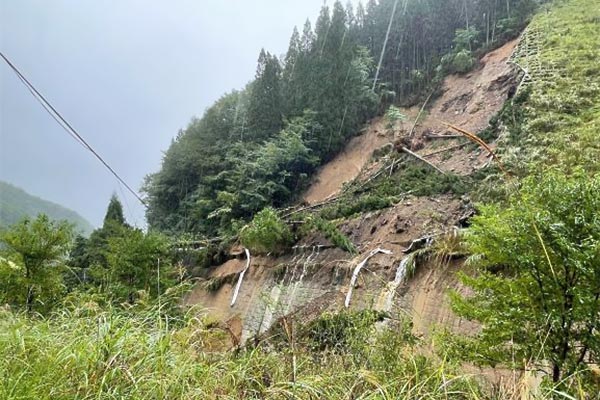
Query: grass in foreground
[[87, 352]]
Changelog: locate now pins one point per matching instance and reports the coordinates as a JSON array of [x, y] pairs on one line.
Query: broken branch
[[418, 157]]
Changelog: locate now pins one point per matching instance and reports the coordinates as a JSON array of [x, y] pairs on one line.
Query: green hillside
[[15, 203]]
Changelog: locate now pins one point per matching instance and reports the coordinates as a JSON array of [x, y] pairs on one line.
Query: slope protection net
[[531, 56]]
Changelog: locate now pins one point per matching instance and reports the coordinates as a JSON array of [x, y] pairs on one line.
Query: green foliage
[[33, 258], [236, 160], [413, 178], [465, 39], [89, 351], [125, 263], [267, 233], [210, 183], [350, 207], [138, 261], [462, 62], [265, 107], [559, 120], [340, 332], [537, 293], [16, 204], [424, 32], [91, 253], [249, 178], [331, 232], [392, 117], [114, 213]]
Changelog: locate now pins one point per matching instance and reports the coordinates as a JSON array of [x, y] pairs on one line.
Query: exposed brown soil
[[346, 166], [314, 279], [469, 102], [232, 266]]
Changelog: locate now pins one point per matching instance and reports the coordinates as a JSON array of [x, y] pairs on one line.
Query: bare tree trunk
[[487, 30], [555, 373], [29, 300], [418, 157]]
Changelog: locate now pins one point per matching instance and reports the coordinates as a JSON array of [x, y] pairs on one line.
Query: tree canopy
[[34, 254], [537, 291], [256, 147]]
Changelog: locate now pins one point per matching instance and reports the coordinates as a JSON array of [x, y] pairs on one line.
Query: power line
[[66, 126]]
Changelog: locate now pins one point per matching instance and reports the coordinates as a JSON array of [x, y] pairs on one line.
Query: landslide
[[315, 275], [468, 101]]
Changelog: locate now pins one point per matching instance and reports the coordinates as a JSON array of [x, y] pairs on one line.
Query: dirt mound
[[346, 166]]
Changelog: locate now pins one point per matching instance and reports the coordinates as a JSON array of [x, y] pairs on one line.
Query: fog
[[127, 75]]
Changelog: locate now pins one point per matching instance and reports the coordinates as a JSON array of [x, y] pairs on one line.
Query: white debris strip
[[239, 282], [357, 271]]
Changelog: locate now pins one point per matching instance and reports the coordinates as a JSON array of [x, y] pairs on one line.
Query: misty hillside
[[403, 206], [15, 204]]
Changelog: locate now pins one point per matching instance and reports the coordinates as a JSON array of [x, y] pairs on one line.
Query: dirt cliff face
[[316, 277]]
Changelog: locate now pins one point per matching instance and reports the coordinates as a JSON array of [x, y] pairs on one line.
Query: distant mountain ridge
[[15, 203]]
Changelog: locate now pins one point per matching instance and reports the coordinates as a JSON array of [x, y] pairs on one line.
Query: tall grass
[[89, 352]]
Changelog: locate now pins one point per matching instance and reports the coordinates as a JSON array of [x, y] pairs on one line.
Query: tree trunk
[[29, 300], [555, 373]]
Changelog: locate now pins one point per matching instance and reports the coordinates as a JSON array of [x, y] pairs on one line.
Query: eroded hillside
[[317, 275]]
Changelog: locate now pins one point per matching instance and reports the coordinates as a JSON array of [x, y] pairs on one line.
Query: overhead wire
[[132, 219], [49, 111], [66, 126]]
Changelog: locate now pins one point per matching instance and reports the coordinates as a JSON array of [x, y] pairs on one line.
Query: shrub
[[392, 116], [331, 232], [341, 331], [267, 233], [462, 62], [545, 242]]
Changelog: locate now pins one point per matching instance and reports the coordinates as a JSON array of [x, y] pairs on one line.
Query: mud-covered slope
[[316, 276], [347, 165]]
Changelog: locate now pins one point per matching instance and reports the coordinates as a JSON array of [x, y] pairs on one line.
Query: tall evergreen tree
[[114, 212], [360, 15], [308, 37], [97, 244], [322, 30], [291, 73], [265, 112]]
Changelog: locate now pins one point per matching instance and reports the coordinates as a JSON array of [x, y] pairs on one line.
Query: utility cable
[[66, 126]]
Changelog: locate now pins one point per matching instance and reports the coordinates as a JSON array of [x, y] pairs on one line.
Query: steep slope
[[317, 276], [347, 165], [15, 204], [468, 101]]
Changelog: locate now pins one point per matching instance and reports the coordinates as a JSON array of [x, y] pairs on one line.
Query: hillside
[[15, 204], [402, 220], [260, 146], [319, 270], [403, 207]]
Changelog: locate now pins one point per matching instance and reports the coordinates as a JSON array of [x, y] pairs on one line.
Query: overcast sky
[[127, 74]]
